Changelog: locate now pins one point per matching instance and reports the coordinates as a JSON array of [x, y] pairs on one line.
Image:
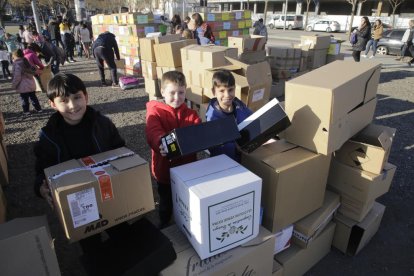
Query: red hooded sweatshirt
[[161, 119]]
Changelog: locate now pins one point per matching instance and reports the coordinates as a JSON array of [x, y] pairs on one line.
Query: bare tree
[[354, 4], [265, 11], [307, 13], [394, 5]]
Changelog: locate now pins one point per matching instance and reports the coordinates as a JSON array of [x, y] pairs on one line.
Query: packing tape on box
[[102, 164]]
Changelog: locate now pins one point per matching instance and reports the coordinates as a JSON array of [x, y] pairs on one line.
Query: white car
[[324, 26]]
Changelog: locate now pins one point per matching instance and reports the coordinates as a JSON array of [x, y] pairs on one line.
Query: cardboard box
[[284, 57], [277, 269], [332, 58], [327, 108], [351, 236], [3, 205], [315, 42], [296, 261], [2, 125], [216, 204], [94, 193], [152, 87], [262, 125], [277, 89], [149, 69], [369, 149], [197, 95], [26, 248], [311, 226], [161, 70], [168, 54], [314, 58], [247, 43], [253, 81], [358, 188], [253, 57], [251, 258], [334, 48], [197, 58], [146, 45], [282, 239], [4, 169], [294, 181], [195, 138]]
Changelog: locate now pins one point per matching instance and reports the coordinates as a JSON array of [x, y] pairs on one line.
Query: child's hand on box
[[163, 152], [45, 193]]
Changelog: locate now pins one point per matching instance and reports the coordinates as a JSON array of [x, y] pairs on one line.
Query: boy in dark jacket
[[226, 104], [76, 130], [162, 117], [103, 49]]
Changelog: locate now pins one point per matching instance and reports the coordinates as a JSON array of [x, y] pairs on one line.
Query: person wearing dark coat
[[363, 33], [104, 48]]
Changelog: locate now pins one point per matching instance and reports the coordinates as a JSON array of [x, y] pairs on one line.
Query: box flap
[[380, 136], [19, 226], [127, 162]]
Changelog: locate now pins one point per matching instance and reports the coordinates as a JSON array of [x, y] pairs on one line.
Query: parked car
[[390, 43], [292, 22], [324, 26]]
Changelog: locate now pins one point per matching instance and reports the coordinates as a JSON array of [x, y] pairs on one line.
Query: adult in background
[[175, 21], [407, 48], [11, 42], [27, 35], [363, 33], [68, 40], [76, 36], [202, 31], [104, 48], [260, 28], [85, 39], [185, 22], [376, 34]]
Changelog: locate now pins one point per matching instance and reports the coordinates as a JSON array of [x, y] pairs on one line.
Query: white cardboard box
[[216, 203]]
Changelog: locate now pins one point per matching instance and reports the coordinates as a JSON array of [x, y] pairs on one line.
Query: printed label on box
[[149, 29], [223, 34], [241, 24], [238, 15], [88, 160], [225, 16], [142, 19], [231, 221], [105, 183], [226, 25], [211, 17], [258, 95], [83, 207], [236, 33]]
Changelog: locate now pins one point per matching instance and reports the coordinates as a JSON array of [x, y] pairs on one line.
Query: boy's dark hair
[[173, 77], [223, 78], [62, 85]]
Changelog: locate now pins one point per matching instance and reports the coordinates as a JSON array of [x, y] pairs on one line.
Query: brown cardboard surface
[[26, 248], [315, 41], [146, 45], [315, 58], [294, 181], [326, 108], [161, 70], [296, 260], [196, 95], [253, 57], [360, 185], [149, 69], [2, 125], [128, 194], [252, 258], [309, 227], [247, 43], [353, 208], [169, 54], [369, 149], [277, 269], [332, 58], [277, 89], [4, 169], [284, 57], [350, 236], [152, 87]]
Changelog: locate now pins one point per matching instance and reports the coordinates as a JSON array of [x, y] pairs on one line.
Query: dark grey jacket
[[363, 36]]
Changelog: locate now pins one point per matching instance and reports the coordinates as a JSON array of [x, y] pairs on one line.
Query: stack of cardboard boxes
[[128, 29], [226, 24]]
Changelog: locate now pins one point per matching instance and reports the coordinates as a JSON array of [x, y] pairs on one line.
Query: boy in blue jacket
[[226, 104]]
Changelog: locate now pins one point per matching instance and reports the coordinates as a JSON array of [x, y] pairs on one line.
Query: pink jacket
[[33, 59], [22, 82]]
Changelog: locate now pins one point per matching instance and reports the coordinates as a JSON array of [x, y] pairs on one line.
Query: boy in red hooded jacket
[[162, 117]]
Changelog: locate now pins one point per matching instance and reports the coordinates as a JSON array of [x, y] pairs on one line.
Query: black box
[[262, 125], [192, 139]]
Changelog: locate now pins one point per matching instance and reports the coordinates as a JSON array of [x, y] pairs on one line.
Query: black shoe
[[104, 83], [115, 85]]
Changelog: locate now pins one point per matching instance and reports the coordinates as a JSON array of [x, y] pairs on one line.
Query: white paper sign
[[83, 207], [226, 25], [258, 95]]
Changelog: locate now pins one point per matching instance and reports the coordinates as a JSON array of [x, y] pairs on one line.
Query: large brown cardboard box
[[327, 108], [296, 260], [26, 248], [169, 54], [253, 81], [277, 269], [351, 236], [152, 87], [4, 169], [312, 225], [315, 41], [247, 43], [294, 181], [358, 189], [369, 149], [149, 70], [197, 58], [315, 58], [284, 57], [253, 57], [161, 70], [252, 258], [3, 205], [94, 193], [146, 45], [197, 95]]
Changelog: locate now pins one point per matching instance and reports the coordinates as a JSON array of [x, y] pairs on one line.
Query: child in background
[[226, 104], [162, 117], [24, 82], [4, 59]]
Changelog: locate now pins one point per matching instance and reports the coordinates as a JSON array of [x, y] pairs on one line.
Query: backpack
[[128, 82], [353, 39]]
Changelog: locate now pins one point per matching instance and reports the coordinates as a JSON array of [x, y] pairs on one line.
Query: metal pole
[[36, 16], [285, 14]]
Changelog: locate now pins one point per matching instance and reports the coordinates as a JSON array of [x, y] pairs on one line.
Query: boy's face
[[225, 96], [173, 94], [72, 108]]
